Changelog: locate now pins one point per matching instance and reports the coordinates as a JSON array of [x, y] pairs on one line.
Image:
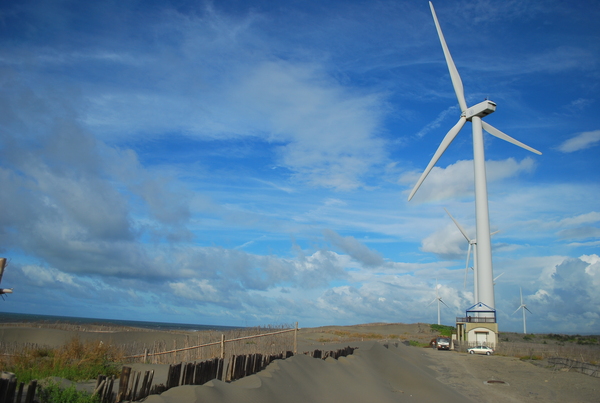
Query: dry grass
[[539, 351], [540, 347], [74, 361], [170, 340]]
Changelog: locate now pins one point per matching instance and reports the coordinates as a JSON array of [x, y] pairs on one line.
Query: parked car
[[443, 343], [480, 350]]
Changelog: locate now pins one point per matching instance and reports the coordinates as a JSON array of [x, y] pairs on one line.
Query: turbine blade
[[456, 81], [528, 310], [444, 303], [516, 310], [498, 276], [494, 233], [435, 299], [442, 147], [497, 133], [460, 228]]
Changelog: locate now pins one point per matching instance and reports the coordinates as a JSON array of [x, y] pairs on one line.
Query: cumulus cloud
[[569, 292], [447, 242], [456, 180], [581, 141]]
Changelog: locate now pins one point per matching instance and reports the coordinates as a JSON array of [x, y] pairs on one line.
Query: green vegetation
[[530, 357], [52, 393], [415, 343], [75, 361], [582, 340], [443, 329], [529, 337]]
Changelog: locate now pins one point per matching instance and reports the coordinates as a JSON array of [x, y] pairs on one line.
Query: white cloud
[[48, 277], [447, 242], [327, 133], [355, 249], [581, 141], [437, 122], [456, 180], [196, 290], [570, 292]]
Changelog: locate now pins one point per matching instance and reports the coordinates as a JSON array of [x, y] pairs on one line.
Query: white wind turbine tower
[[438, 299], [523, 307], [485, 283]]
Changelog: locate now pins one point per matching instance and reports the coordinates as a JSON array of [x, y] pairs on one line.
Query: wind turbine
[[474, 114], [3, 290], [472, 246], [523, 307], [438, 299]]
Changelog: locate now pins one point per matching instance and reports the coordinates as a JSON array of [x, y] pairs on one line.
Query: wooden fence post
[[222, 345], [123, 383], [20, 392], [31, 391], [296, 339]]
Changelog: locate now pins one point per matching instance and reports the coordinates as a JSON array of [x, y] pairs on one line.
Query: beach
[[383, 369]]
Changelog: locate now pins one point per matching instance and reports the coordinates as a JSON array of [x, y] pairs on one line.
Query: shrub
[[530, 357], [443, 329], [52, 393], [415, 343], [75, 361]]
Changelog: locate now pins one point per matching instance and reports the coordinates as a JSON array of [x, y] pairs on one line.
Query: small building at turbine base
[[478, 326]]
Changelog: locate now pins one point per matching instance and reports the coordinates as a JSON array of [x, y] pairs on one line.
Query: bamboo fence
[[266, 343]]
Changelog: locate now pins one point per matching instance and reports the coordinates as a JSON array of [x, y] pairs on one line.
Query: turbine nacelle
[[480, 110]]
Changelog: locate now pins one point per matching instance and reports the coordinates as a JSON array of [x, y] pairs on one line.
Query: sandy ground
[[375, 373], [523, 380]]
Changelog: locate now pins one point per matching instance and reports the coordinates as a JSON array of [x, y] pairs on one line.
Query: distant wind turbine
[[472, 246], [439, 300], [3, 290], [523, 307], [485, 276]]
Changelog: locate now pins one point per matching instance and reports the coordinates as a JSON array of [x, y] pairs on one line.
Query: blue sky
[[246, 163]]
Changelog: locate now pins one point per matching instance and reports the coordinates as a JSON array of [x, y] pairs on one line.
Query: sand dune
[[373, 374]]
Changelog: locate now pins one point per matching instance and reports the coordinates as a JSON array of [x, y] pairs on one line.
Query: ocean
[[26, 318]]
